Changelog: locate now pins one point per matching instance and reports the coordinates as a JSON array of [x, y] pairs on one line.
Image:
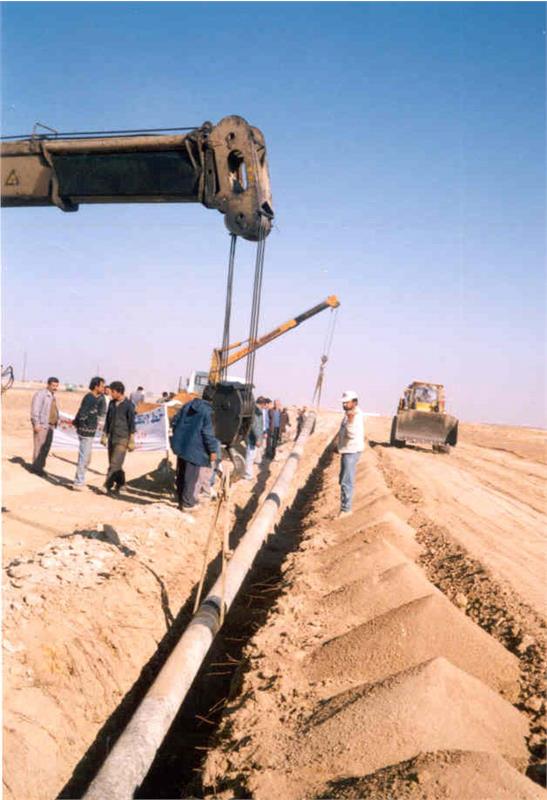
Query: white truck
[[198, 380]]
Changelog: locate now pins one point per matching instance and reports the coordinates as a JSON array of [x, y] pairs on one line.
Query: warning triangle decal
[[12, 179]]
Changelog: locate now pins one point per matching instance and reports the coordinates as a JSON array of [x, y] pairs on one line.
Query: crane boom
[[219, 359], [222, 166]]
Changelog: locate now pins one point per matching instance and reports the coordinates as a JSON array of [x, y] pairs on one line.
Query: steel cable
[[255, 307], [316, 399], [228, 311], [79, 134]]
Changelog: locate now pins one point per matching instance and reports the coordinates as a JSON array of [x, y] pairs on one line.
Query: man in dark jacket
[[254, 438], [278, 423], [118, 435], [92, 409], [195, 445]]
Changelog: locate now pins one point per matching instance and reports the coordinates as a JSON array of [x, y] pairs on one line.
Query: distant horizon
[[406, 146], [331, 409]]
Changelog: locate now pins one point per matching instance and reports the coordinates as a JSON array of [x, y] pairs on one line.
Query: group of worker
[[193, 438], [103, 407], [198, 450]]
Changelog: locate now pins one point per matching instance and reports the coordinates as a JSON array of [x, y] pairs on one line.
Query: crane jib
[[312, 311], [222, 166]]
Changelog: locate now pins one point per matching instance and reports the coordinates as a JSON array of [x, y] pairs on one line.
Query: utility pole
[[24, 377]]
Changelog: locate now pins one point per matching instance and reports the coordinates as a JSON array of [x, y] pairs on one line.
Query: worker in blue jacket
[[194, 443]]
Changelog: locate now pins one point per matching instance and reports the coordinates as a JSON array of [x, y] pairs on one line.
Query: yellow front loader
[[422, 419]]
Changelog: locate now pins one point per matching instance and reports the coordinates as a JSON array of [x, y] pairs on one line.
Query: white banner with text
[[151, 432]]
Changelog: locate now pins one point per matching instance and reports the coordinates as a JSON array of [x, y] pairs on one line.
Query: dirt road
[[489, 494]]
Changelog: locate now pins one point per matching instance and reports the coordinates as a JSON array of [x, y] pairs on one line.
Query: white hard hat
[[349, 395]]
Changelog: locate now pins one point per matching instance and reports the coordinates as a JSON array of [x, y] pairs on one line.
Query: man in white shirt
[[351, 443]]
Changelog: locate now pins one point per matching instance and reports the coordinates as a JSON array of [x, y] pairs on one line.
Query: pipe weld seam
[[274, 497]]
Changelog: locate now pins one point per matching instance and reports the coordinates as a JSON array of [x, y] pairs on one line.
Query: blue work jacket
[[193, 436]]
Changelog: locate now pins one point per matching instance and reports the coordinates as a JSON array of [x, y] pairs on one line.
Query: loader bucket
[[427, 427]]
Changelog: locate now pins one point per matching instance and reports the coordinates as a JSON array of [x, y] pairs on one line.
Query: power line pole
[[24, 366]]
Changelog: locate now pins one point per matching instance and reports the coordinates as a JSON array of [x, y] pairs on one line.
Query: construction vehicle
[[199, 379], [222, 166], [422, 419], [8, 378], [233, 403]]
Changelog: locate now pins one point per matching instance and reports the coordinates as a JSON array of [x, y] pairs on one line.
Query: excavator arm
[[222, 166], [221, 360]]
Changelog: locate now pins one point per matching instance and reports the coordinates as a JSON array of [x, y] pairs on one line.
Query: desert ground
[[395, 653]]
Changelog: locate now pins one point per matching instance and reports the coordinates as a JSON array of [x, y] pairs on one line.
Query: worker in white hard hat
[[351, 443]]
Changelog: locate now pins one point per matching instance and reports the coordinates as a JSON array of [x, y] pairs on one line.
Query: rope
[[223, 501], [316, 399], [226, 552], [228, 311]]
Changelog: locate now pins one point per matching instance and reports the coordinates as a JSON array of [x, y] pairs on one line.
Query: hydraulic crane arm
[[222, 166], [220, 358]]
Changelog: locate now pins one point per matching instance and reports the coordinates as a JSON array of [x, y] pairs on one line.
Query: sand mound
[[343, 564], [395, 531], [445, 775], [434, 706], [372, 498], [370, 511], [366, 598], [415, 632]]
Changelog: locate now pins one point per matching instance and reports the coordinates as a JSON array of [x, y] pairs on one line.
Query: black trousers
[[273, 440], [186, 482], [42, 445], [116, 456]]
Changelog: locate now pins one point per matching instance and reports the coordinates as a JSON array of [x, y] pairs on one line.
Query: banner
[[151, 432]]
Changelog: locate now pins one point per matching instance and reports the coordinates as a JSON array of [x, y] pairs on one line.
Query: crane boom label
[[12, 179]]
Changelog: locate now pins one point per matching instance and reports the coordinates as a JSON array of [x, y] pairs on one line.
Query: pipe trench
[[131, 757]]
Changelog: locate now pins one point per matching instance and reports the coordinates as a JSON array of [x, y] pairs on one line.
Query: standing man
[[274, 428], [92, 409], [254, 438], [265, 404], [300, 420], [137, 397], [285, 423], [195, 445], [44, 416], [351, 443], [118, 435]]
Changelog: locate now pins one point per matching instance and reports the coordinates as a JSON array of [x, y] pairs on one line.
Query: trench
[[176, 770]]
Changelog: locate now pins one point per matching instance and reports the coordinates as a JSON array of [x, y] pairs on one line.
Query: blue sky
[[406, 148]]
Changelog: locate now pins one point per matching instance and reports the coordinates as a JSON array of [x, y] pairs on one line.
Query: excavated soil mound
[[342, 562], [434, 706], [406, 636], [367, 598], [445, 775], [395, 531]]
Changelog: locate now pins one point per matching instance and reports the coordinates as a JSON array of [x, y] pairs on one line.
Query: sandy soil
[[93, 586], [404, 655], [490, 493]]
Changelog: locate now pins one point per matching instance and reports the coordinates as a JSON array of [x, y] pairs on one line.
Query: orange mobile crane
[[233, 403]]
